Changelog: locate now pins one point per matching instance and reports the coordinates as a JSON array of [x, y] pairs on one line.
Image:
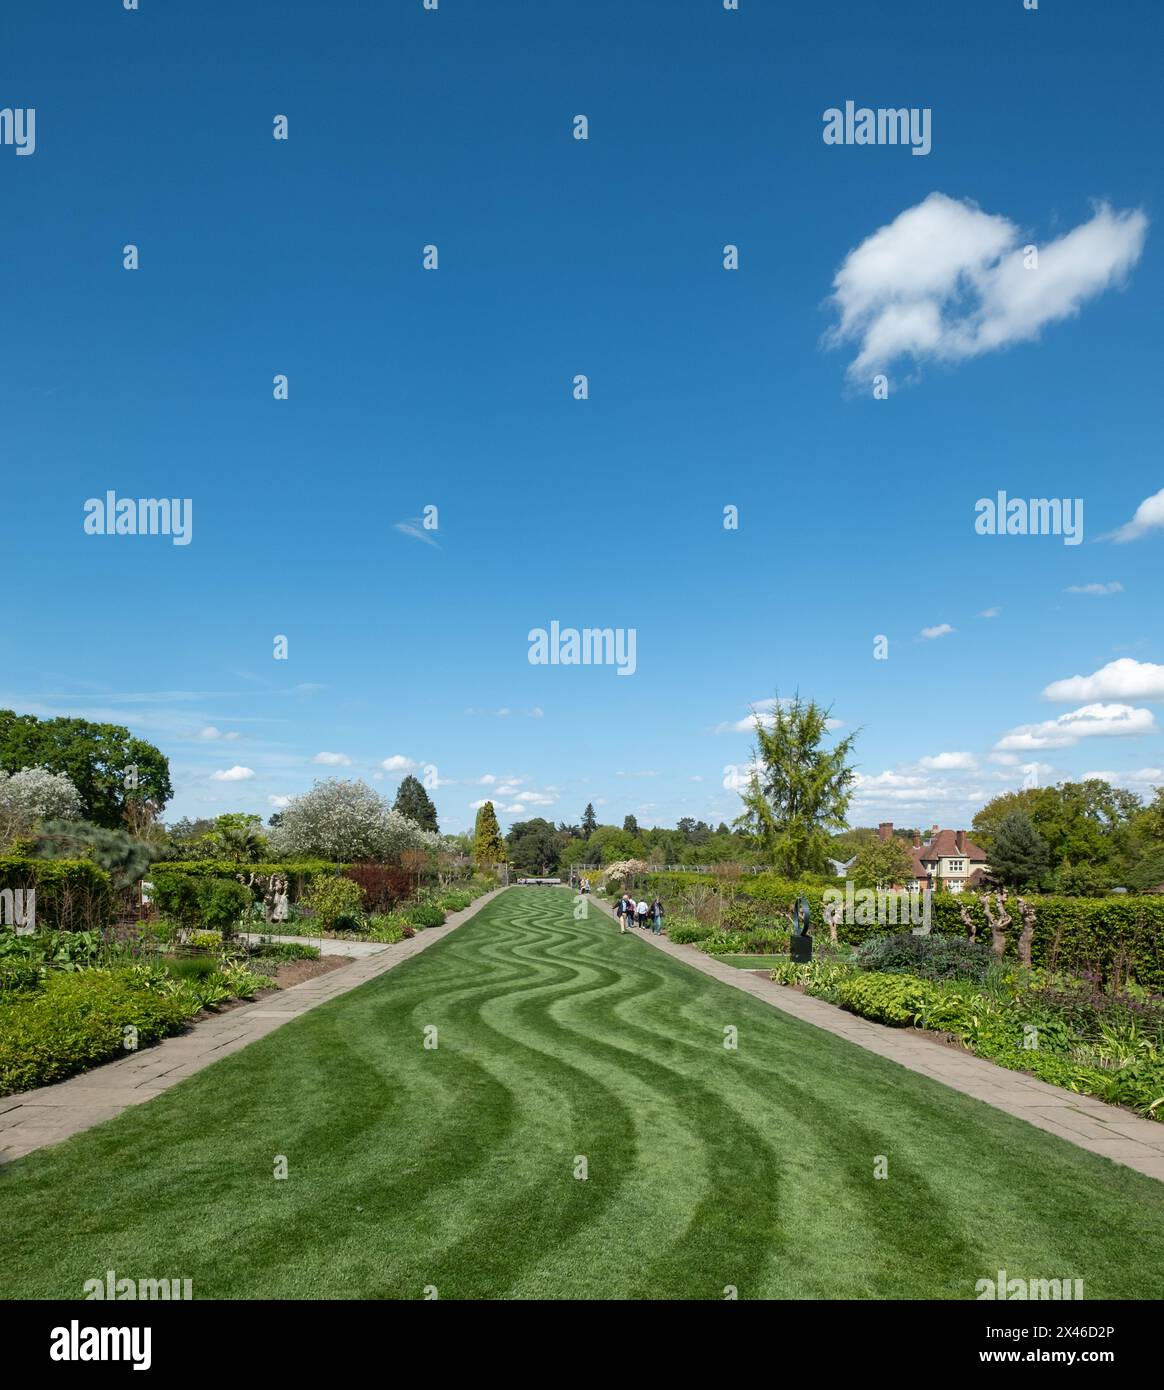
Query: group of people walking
[[632, 914]]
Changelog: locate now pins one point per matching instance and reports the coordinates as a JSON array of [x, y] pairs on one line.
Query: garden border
[[1090, 1124], [32, 1120]]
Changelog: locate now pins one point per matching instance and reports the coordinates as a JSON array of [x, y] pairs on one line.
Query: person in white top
[[641, 913]]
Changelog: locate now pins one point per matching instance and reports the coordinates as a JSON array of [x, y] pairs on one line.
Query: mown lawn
[[560, 1041]]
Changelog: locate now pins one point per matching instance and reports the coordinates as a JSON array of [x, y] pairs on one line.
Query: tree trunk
[[1027, 912], [998, 925], [971, 924]]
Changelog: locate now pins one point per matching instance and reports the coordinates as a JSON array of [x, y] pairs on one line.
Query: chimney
[[917, 839], [885, 830], [960, 841], [934, 830]]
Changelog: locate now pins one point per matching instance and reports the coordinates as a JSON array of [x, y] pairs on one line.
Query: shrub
[[454, 901], [214, 903], [281, 951], [904, 1001], [930, 957], [71, 894], [332, 898], [382, 885], [387, 929], [425, 915], [688, 933], [19, 977], [77, 1020], [206, 940]]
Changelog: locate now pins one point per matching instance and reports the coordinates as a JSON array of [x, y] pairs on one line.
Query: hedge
[[75, 1021], [71, 894], [299, 873], [1112, 936]]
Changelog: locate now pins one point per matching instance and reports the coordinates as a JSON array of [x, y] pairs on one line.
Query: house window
[[957, 866]]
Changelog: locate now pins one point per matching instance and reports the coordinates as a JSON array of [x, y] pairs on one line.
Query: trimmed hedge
[[71, 894], [1113, 936], [203, 900], [75, 1021], [299, 874]]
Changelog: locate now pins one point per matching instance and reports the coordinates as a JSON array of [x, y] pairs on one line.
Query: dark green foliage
[[533, 846], [1019, 855], [425, 915], [214, 903], [95, 757], [414, 802], [931, 957], [124, 858], [280, 951]]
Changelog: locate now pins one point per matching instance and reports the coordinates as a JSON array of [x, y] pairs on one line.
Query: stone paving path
[[1104, 1129], [34, 1119]]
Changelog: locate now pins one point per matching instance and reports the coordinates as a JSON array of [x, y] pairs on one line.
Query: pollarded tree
[[347, 822], [799, 791], [414, 802], [488, 846]]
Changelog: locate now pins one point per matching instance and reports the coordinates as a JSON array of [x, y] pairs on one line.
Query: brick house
[[948, 857]]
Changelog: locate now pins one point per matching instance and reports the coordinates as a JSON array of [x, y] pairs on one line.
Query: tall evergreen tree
[[488, 846], [414, 802], [589, 820], [630, 825], [1019, 855]]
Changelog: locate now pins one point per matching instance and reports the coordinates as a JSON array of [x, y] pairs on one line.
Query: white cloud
[[333, 759], [946, 281], [1091, 721], [278, 801], [643, 772], [929, 633], [990, 613], [1115, 587], [1149, 517], [211, 734], [941, 762], [398, 763], [696, 778], [1142, 780], [1122, 679], [233, 774]]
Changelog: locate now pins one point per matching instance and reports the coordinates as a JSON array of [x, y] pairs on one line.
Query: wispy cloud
[[941, 630], [414, 528], [233, 774], [1115, 587]]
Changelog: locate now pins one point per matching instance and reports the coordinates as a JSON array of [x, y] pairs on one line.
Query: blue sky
[[453, 388]]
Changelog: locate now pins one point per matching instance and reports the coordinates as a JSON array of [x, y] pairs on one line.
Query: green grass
[[454, 1167]]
